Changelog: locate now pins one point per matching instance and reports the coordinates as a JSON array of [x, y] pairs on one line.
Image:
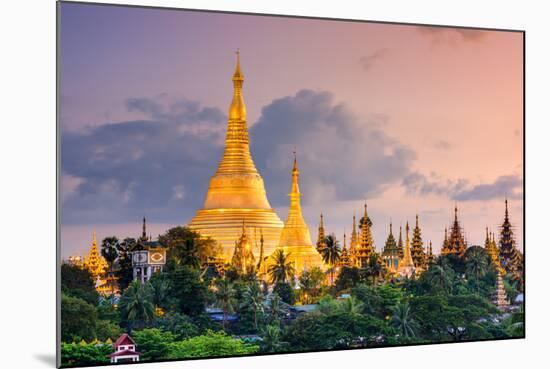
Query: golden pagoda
[[243, 256], [365, 248], [353, 243], [236, 192], [295, 238], [406, 264], [94, 262], [321, 243]]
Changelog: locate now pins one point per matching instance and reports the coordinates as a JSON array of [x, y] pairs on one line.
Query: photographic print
[[242, 184]]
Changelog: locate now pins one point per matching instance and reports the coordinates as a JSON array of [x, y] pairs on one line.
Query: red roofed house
[[125, 350]]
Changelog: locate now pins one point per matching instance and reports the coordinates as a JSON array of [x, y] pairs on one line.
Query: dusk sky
[[411, 119]]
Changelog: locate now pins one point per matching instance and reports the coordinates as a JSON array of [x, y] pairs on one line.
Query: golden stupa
[[236, 193], [295, 238]]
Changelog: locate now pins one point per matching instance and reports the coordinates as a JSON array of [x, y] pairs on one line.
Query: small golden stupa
[[236, 193], [295, 238]]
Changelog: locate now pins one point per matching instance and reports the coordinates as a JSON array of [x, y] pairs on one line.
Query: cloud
[[450, 35], [461, 189], [123, 170], [510, 186], [442, 145], [369, 60], [341, 156]]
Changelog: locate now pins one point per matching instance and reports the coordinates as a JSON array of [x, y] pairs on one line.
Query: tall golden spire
[[236, 191], [295, 237], [406, 264]]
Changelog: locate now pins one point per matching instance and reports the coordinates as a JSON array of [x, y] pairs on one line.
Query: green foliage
[[318, 331], [403, 321], [253, 300], [78, 319], [186, 247], [331, 254], [190, 294], [124, 272], [286, 292], [78, 282], [209, 345], [272, 339], [180, 325], [105, 329], [136, 305], [225, 295], [348, 278], [76, 354], [153, 343], [514, 324], [311, 282], [281, 270], [109, 250]]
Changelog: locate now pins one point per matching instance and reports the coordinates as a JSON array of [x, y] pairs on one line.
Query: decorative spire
[[366, 247], [321, 235], [237, 110], [144, 229], [406, 264]]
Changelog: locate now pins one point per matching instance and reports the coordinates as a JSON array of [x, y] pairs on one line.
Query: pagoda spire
[[321, 235], [144, 229], [366, 246], [94, 262], [406, 264], [400, 242], [418, 254], [510, 257], [390, 253]]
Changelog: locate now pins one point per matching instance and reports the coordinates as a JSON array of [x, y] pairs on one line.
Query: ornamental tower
[[94, 262], [321, 243], [345, 260], [455, 244], [406, 264], [499, 298], [430, 255], [243, 257], [366, 245], [236, 192], [295, 238], [510, 257], [492, 250], [353, 242], [417, 250], [400, 242], [390, 254]]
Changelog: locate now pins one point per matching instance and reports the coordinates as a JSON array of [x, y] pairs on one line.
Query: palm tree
[[437, 276], [276, 308], [351, 306], [160, 287], [476, 263], [331, 254], [282, 269], [137, 305], [254, 297], [225, 297], [374, 268], [403, 321], [271, 339], [109, 250]]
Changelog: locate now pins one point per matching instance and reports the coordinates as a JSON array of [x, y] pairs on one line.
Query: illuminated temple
[[236, 193]]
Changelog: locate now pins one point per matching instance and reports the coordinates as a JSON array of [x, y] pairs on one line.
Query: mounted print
[[244, 184]]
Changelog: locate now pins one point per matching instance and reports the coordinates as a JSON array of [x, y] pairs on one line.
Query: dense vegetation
[[367, 307]]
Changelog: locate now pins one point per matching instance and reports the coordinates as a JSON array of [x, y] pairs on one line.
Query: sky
[[411, 119]]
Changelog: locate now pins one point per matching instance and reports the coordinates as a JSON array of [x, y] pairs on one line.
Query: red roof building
[[125, 350]]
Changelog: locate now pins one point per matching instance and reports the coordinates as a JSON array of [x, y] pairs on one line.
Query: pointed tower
[[94, 262], [406, 264], [492, 250], [499, 298], [390, 254], [455, 243], [320, 245], [366, 245], [345, 260], [243, 256], [353, 242], [510, 257], [417, 249], [400, 242], [236, 192], [430, 255], [295, 238]]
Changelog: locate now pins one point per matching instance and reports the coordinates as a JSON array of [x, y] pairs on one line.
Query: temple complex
[[295, 239], [236, 192]]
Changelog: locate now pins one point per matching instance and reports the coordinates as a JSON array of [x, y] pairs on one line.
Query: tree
[[109, 250], [276, 308], [282, 269], [402, 320], [477, 263], [286, 292], [225, 298], [374, 268], [348, 278], [331, 254], [254, 298], [311, 281], [271, 339], [136, 305], [106, 329], [187, 247], [124, 271], [78, 354], [78, 282], [160, 286], [180, 325], [188, 291], [78, 319], [351, 306], [209, 345], [154, 343], [439, 278]]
